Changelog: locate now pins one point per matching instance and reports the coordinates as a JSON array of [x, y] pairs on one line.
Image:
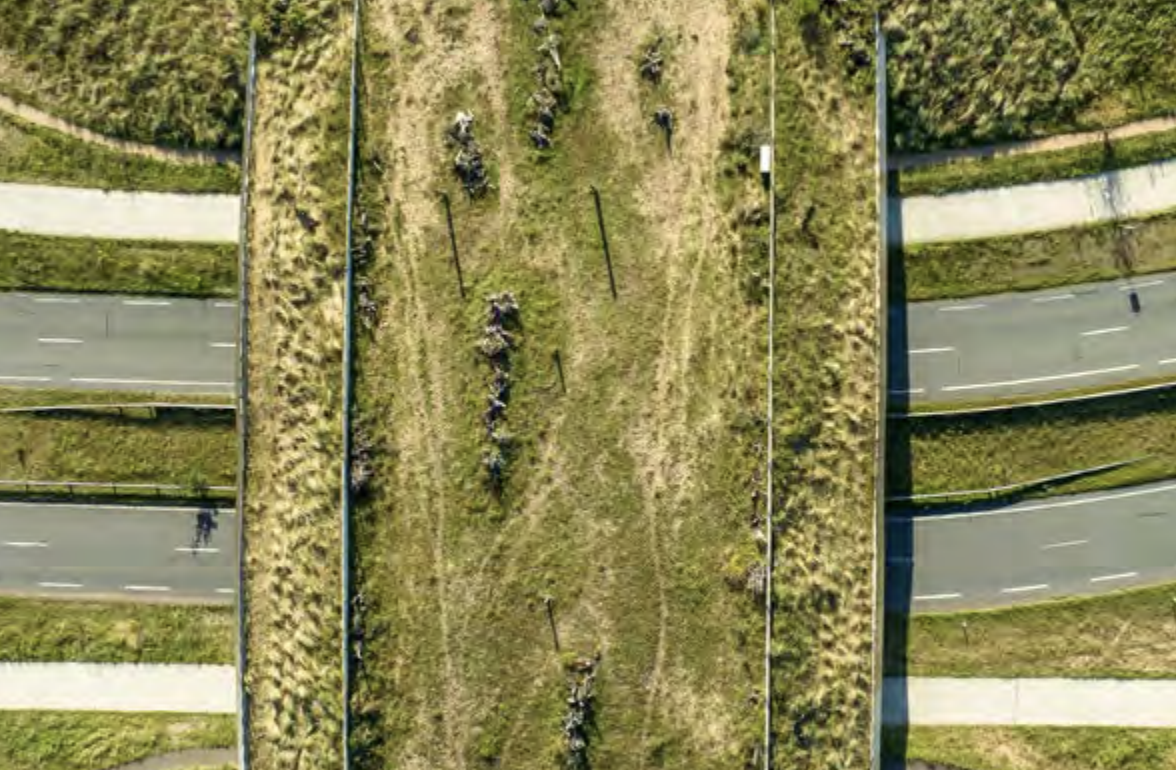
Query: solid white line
[[960, 307], [932, 350], [58, 341], [1119, 576], [147, 588], [189, 549], [1038, 507], [60, 585], [222, 344], [1053, 298], [1023, 589], [105, 507], [57, 300], [17, 378], [146, 302], [1050, 378], [225, 591], [105, 381], [933, 597], [12, 544], [1110, 330], [1143, 285], [908, 392], [1066, 544]]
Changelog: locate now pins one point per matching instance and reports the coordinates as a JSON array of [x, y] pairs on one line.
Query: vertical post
[[612, 283], [548, 605], [771, 492], [453, 244], [964, 628], [559, 370]]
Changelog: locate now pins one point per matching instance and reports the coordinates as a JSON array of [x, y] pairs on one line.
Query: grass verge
[[161, 446], [292, 494], [87, 740], [21, 397], [1082, 64], [949, 453], [98, 265], [1057, 395], [163, 72], [1126, 634], [976, 173], [35, 155], [43, 630], [625, 497], [1038, 261], [1035, 748]]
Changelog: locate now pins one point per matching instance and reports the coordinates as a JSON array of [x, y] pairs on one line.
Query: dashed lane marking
[[1024, 589], [1118, 576], [1066, 544]]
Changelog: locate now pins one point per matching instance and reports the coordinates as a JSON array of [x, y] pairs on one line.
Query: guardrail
[[770, 449], [882, 289], [28, 485], [349, 385], [120, 407], [970, 494], [1032, 404], [243, 756]]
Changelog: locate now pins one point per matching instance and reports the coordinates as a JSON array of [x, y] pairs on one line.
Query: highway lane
[[91, 550], [110, 342], [1074, 545], [1034, 343]]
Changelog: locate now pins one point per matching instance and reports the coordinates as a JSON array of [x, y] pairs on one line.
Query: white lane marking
[[224, 304], [59, 585], [225, 591], [146, 302], [106, 381], [1050, 378], [17, 378], [1109, 330], [1052, 298], [1038, 507], [29, 544], [222, 344], [147, 588], [907, 392], [1066, 544], [1023, 589], [57, 300], [921, 351], [1119, 576], [189, 549], [1165, 361], [102, 507], [1143, 285], [58, 341], [957, 308], [935, 597]]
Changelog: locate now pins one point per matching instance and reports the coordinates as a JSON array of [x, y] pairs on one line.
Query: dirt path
[[169, 154], [184, 760], [1029, 146]]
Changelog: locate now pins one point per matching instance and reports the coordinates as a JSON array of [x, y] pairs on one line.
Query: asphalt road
[[107, 342], [1034, 343], [1062, 546], [142, 553]]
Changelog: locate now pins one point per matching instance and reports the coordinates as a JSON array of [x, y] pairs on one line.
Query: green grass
[[951, 453], [19, 397], [1126, 634], [44, 263], [43, 630], [1037, 261], [963, 72], [36, 155], [165, 72], [169, 446], [1035, 748], [86, 740], [976, 173]]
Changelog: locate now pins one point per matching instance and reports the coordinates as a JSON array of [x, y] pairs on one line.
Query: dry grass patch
[[297, 237]]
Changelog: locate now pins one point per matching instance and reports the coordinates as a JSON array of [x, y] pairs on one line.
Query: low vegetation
[[35, 155], [1038, 261], [164, 72], [976, 173], [963, 72], [42, 630], [25, 397], [1035, 748], [161, 446], [44, 263], [958, 452], [292, 579], [88, 740]]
